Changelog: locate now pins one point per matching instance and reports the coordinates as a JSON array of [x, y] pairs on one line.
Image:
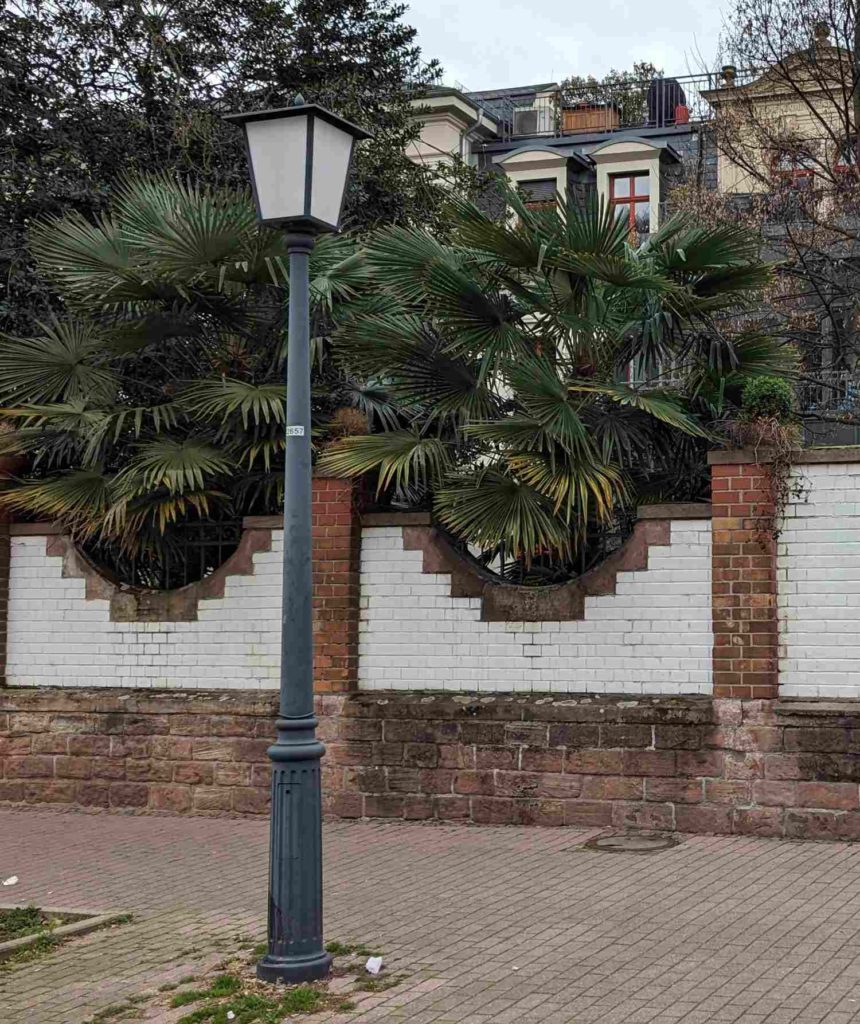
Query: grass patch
[[223, 985], [350, 949], [193, 995], [17, 922], [260, 949], [257, 1009], [378, 984], [46, 943], [23, 922], [110, 1011]]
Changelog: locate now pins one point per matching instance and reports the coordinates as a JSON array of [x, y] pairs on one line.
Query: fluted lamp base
[[294, 970]]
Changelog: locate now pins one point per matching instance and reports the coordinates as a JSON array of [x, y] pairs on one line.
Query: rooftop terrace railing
[[606, 107]]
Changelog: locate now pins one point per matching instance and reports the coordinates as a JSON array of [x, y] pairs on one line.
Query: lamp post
[[300, 158]]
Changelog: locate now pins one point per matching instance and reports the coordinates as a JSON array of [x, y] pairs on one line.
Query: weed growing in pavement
[[378, 984], [350, 949], [127, 1011], [46, 943], [256, 1009], [16, 922], [223, 985]]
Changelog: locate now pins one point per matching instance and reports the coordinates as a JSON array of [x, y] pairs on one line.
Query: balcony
[[596, 107]]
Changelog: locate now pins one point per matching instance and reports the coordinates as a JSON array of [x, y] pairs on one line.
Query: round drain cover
[[632, 843]]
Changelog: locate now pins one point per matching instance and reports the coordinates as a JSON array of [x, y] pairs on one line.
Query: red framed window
[[795, 169], [630, 199]]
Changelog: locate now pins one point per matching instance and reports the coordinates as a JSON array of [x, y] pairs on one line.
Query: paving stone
[[742, 929]]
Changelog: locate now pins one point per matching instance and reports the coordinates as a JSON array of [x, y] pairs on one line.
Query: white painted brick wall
[[58, 638], [818, 574], [653, 636]]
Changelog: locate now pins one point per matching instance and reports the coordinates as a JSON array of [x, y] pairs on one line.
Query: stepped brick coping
[[805, 456], [506, 602], [137, 604]]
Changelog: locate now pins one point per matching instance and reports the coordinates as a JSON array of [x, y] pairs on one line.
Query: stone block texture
[[691, 764], [652, 635], [818, 564]]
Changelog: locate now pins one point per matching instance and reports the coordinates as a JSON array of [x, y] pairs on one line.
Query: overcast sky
[[485, 44]]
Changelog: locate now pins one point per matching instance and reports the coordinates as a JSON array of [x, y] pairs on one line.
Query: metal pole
[[296, 951]]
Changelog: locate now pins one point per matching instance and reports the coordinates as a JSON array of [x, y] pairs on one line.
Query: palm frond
[[402, 458], [580, 488], [544, 397], [79, 499], [64, 363], [491, 509], [178, 466], [662, 405], [225, 397]]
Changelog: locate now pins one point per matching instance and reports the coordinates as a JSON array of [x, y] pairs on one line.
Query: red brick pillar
[[337, 544], [743, 583]]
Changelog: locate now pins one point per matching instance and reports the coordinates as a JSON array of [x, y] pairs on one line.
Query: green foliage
[[222, 985], [159, 397], [505, 353], [379, 984], [627, 91], [349, 949], [90, 91], [768, 398], [255, 1009], [45, 943], [18, 921], [485, 373]]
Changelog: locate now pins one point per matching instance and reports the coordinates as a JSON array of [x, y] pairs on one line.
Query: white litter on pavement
[[373, 965], [11, 880]]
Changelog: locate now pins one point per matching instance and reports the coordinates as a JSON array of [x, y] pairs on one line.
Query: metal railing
[[189, 552], [605, 107], [823, 392], [830, 392]]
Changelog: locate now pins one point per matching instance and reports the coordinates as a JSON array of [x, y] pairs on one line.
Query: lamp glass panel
[[332, 150], [278, 149]]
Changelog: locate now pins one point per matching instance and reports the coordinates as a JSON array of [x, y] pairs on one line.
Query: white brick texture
[[818, 584], [58, 638], [653, 636]]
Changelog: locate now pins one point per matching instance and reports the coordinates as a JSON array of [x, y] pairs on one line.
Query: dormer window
[[630, 199], [539, 194]]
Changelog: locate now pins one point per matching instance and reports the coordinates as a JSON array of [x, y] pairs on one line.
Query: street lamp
[[300, 158]]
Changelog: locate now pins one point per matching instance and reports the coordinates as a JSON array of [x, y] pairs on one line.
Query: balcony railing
[[830, 393], [606, 107]]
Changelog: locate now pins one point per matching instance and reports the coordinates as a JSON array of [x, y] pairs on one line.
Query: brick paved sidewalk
[[502, 925]]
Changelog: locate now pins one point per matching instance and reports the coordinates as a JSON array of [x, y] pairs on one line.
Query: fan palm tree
[[157, 395], [544, 372]]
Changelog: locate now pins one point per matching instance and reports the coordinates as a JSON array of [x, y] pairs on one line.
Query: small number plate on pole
[[295, 431]]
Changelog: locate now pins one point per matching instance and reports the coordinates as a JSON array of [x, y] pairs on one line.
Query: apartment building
[[781, 131]]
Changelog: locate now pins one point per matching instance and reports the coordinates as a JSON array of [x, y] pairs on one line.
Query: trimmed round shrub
[[768, 398]]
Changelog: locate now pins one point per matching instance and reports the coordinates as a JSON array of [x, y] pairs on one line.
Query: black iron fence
[[188, 552]]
